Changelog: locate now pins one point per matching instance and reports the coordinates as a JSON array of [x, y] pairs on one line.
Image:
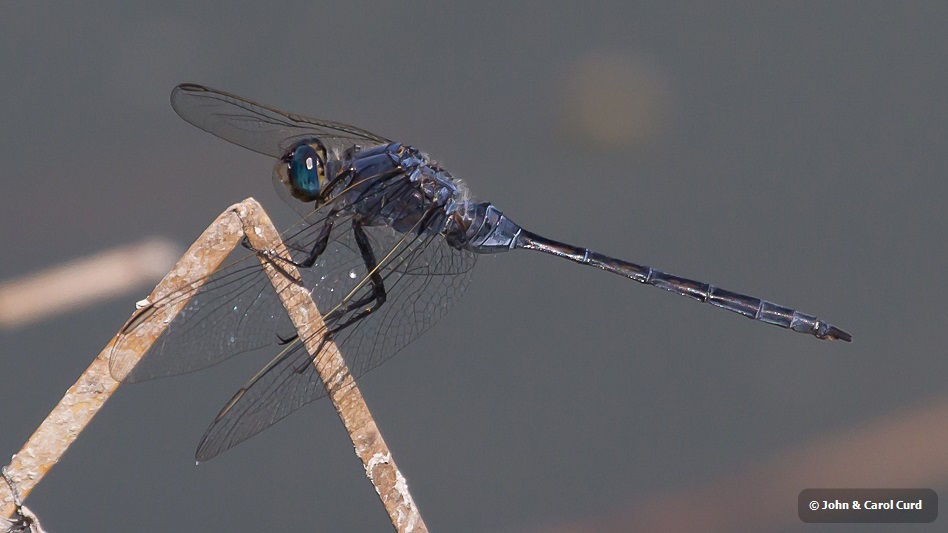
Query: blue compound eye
[[304, 169]]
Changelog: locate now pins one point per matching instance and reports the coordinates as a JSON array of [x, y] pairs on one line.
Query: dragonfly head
[[302, 170]]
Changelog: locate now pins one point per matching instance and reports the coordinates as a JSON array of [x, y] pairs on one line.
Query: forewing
[[236, 309], [259, 127], [232, 312]]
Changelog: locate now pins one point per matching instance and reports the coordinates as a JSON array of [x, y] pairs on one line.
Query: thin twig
[[84, 399]]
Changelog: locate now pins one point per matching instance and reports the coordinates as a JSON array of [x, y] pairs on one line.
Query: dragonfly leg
[[377, 295], [319, 246], [321, 241]]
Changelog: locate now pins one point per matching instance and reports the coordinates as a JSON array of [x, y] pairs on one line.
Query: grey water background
[[795, 153]]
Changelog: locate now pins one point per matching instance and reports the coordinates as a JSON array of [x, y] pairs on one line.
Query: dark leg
[[319, 246], [378, 288], [377, 295], [321, 242]]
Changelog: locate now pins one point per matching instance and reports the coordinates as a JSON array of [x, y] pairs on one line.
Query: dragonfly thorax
[[392, 185]]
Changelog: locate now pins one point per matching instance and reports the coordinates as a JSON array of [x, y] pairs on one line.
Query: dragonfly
[[385, 246]]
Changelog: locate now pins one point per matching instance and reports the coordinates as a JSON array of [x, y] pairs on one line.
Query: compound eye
[[304, 168]]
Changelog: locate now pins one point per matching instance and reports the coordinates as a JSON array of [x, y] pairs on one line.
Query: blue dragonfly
[[386, 246]]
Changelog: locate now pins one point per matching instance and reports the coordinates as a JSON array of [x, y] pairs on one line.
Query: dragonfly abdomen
[[748, 306]]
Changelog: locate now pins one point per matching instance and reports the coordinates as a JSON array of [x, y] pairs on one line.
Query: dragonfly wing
[[422, 276], [258, 127], [232, 312], [287, 383], [236, 309]]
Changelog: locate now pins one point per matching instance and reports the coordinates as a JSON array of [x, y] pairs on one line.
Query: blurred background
[[795, 153]]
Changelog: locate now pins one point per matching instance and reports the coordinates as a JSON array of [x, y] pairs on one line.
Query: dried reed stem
[[84, 399], [82, 282]]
